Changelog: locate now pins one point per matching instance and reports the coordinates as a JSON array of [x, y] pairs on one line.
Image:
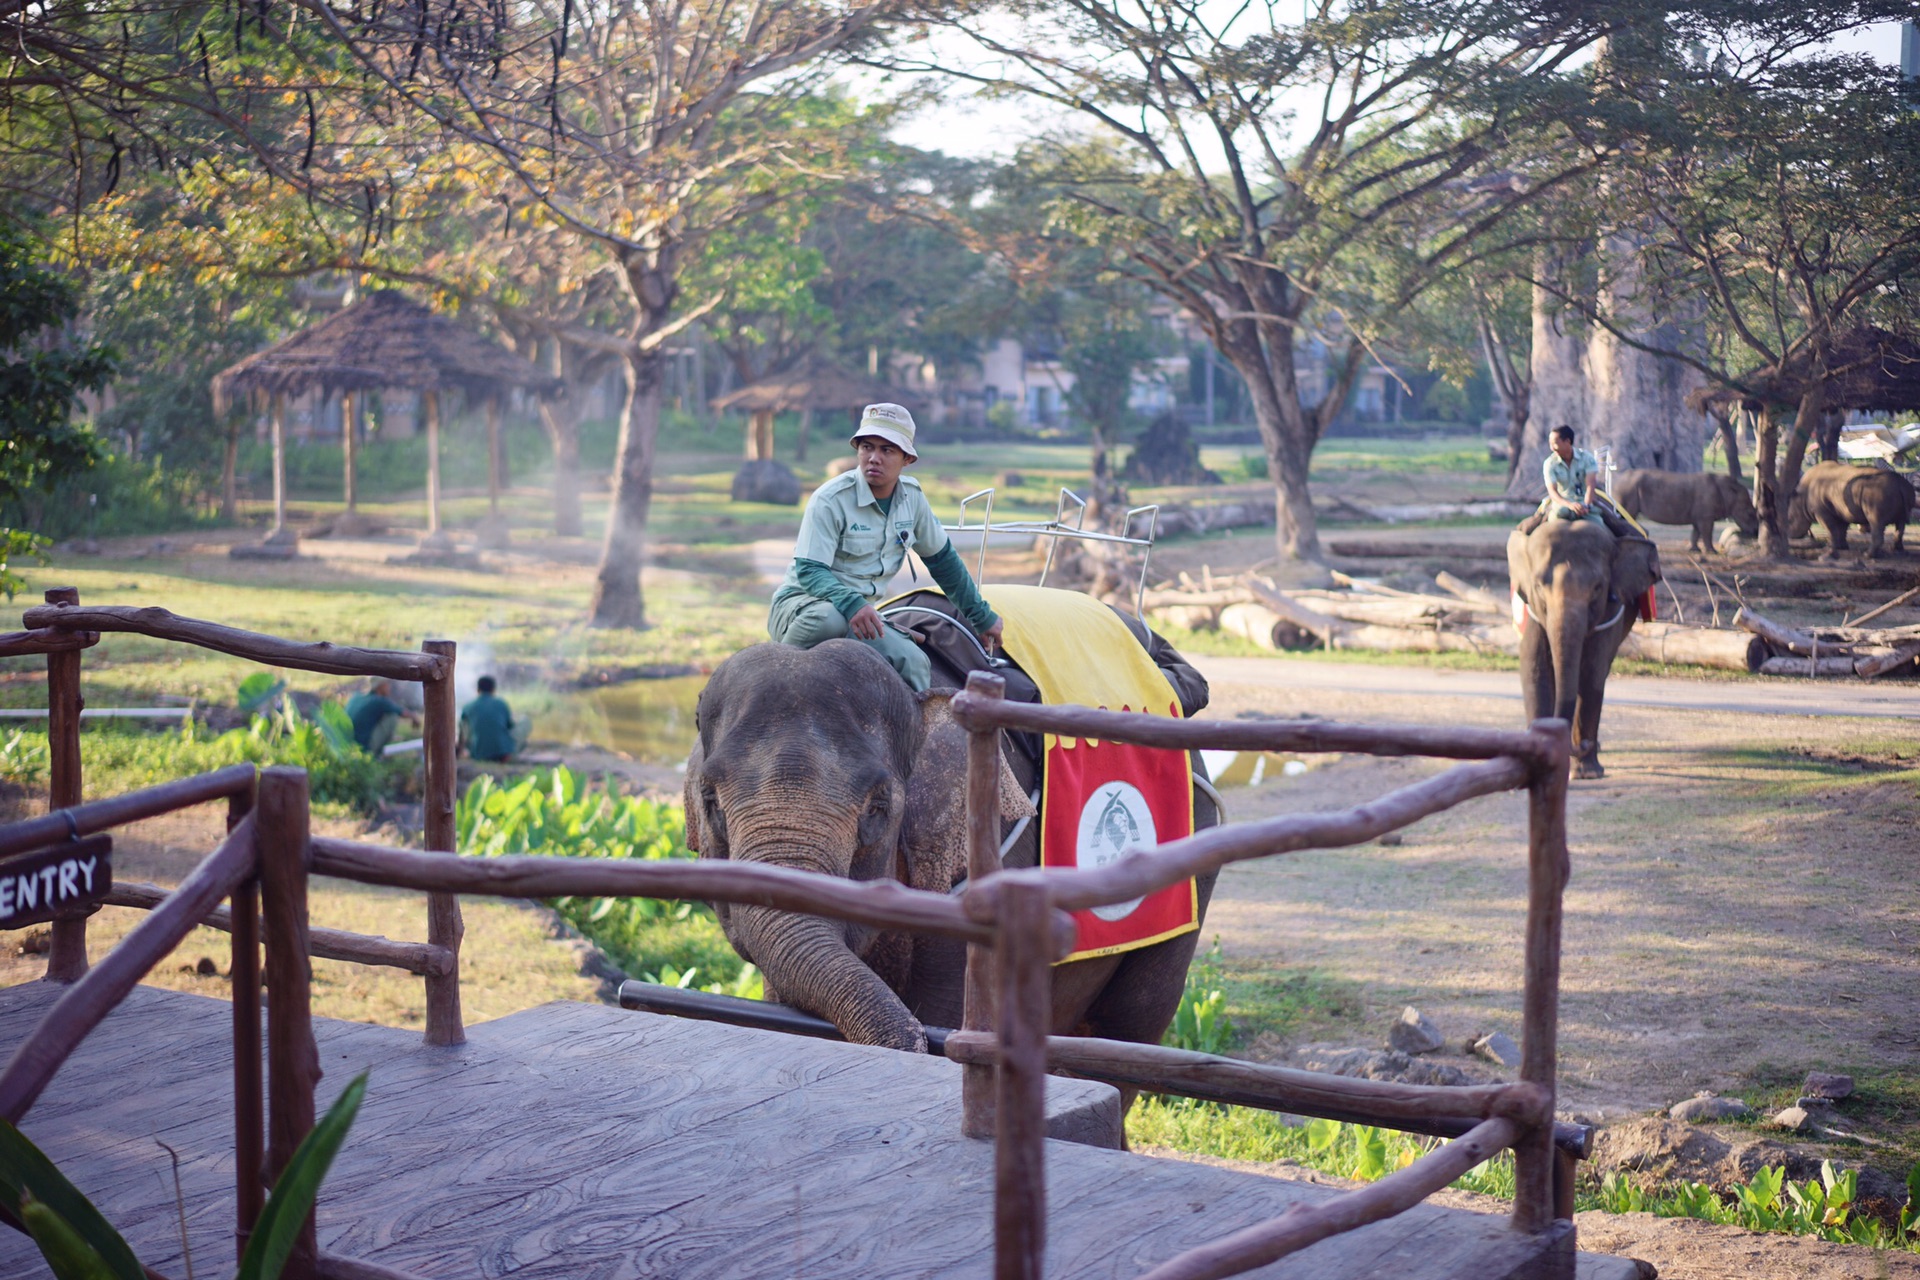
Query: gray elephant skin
[[823, 760], [1697, 499], [1582, 587], [1838, 494]]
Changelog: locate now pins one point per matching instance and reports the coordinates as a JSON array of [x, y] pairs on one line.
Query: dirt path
[[1741, 902]]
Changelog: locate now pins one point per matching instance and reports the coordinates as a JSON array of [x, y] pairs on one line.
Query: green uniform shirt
[[1570, 476], [367, 710], [489, 726], [844, 529]]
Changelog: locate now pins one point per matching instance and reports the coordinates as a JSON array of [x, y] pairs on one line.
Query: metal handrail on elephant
[[1057, 528], [1006, 1066]]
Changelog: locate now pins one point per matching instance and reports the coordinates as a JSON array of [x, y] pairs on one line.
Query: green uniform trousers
[[805, 621]]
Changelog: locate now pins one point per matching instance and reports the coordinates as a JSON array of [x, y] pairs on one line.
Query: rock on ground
[[1706, 1108], [1377, 1064], [1413, 1033]]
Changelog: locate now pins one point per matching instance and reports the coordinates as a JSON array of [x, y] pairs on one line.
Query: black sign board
[[34, 885]]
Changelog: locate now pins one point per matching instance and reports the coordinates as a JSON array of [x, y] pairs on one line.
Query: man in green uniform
[[1570, 474], [375, 715], [857, 530], [486, 724]]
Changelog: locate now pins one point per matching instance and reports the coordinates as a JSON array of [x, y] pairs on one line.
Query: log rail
[[62, 627]]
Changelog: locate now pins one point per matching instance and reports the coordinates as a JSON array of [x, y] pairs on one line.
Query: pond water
[[648, 720]]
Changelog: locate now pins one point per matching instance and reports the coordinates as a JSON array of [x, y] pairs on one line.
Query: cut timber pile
[[1368, 615], [1833, 651]]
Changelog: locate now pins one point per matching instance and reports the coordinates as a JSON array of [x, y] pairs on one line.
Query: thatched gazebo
[[383, 341], [814, 385]]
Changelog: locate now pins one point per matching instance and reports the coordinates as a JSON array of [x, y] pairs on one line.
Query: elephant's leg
[[1076, 987], [1702, 536], [1536, 670], [1836, 536], [1596, 666], [1876, 539]]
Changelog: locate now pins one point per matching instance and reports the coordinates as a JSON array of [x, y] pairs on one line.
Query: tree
[[645, 131], [43, 370], [1281, 179], [1784, 197]]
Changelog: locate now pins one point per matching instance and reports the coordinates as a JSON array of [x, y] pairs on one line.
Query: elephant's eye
[[877, 805]]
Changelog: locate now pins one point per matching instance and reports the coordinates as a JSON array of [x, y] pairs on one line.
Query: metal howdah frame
[[1057, 528]]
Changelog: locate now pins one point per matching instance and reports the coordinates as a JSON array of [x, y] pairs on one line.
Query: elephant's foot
[[1588, 767]]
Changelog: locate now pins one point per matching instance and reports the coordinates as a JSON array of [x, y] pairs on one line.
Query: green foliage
[[16, 545], [119, 757], [291, 1200], [26, 1172], [1770, 1201], [80, 1244], [558, 814], [1200, 1024], [40, 379], [113, 498]]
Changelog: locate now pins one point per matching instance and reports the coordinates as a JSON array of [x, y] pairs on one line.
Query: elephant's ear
[[1636, 567], [933, 835], [706, 843], [1518, 575]]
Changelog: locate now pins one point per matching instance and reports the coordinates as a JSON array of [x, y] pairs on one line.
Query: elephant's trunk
[[808, 963], [1569, 632]]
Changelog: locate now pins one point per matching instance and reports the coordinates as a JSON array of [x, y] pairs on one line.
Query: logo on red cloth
[[1103, 801]]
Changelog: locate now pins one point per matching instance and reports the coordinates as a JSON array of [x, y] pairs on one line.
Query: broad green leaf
[[67, 1255], [259, 689], [298, 1187], [25, 1169]]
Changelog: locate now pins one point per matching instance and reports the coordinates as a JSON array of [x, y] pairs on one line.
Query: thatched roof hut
[[1867, 369], [384, 340], [814, 386]]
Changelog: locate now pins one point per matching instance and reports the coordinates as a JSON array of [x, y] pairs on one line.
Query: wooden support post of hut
[[761, 477], [387, 341]]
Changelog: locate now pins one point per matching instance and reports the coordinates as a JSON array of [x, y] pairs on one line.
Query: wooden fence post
[[249, 1122], [293, 1059], [444, 926], [983, 860], [1023, 1014], [1547, 872], [67, 958]]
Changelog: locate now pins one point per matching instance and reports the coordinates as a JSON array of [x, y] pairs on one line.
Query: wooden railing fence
[[1016, 925], [62, 628]]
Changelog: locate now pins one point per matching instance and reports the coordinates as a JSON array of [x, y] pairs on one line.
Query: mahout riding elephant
[[1582, 588], [1838, 494], [1697, 498], [823, 760]]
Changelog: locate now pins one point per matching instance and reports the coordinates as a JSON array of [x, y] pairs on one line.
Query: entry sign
[[35, 885]]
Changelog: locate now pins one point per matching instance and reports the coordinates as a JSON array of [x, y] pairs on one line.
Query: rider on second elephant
[[856, 532]]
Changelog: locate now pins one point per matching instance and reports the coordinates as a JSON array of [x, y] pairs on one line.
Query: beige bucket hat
[[889, 422]]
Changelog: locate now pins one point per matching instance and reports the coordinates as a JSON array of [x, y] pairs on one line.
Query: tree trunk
[[278, 418], [1636, 399], [1766, 485], [1557, 374], [432, 399], [1514, 389], [1806, 423], [617, 598], [806, 428], [1729, 444], [562, 421]]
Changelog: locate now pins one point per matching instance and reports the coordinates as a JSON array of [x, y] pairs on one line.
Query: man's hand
[[991, 636], [866, 624]]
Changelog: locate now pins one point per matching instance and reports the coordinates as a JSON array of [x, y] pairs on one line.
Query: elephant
[[1838, 494], [1581, 587], [824, 760], [1697, 499]]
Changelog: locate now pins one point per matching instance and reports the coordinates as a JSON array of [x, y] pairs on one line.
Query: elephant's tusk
[[1020, 826], [1213, 794], [1610, 621]]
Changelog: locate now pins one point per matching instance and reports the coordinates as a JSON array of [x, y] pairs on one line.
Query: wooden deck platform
[[574, 1141]]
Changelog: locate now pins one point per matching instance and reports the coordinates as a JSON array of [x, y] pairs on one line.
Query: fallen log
[[1798, 666], [1878, 665], [1467, 591], [1187, 617], [1367, 549], [1216, 598], [1698, 646], [1894, 603], [1781, 638]]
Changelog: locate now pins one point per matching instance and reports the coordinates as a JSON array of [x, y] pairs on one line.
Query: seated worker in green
[[1570, 474], [486, 725], [375, 715], [857, 529]]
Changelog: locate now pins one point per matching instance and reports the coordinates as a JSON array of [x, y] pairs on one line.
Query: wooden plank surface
[[578, 1140]]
